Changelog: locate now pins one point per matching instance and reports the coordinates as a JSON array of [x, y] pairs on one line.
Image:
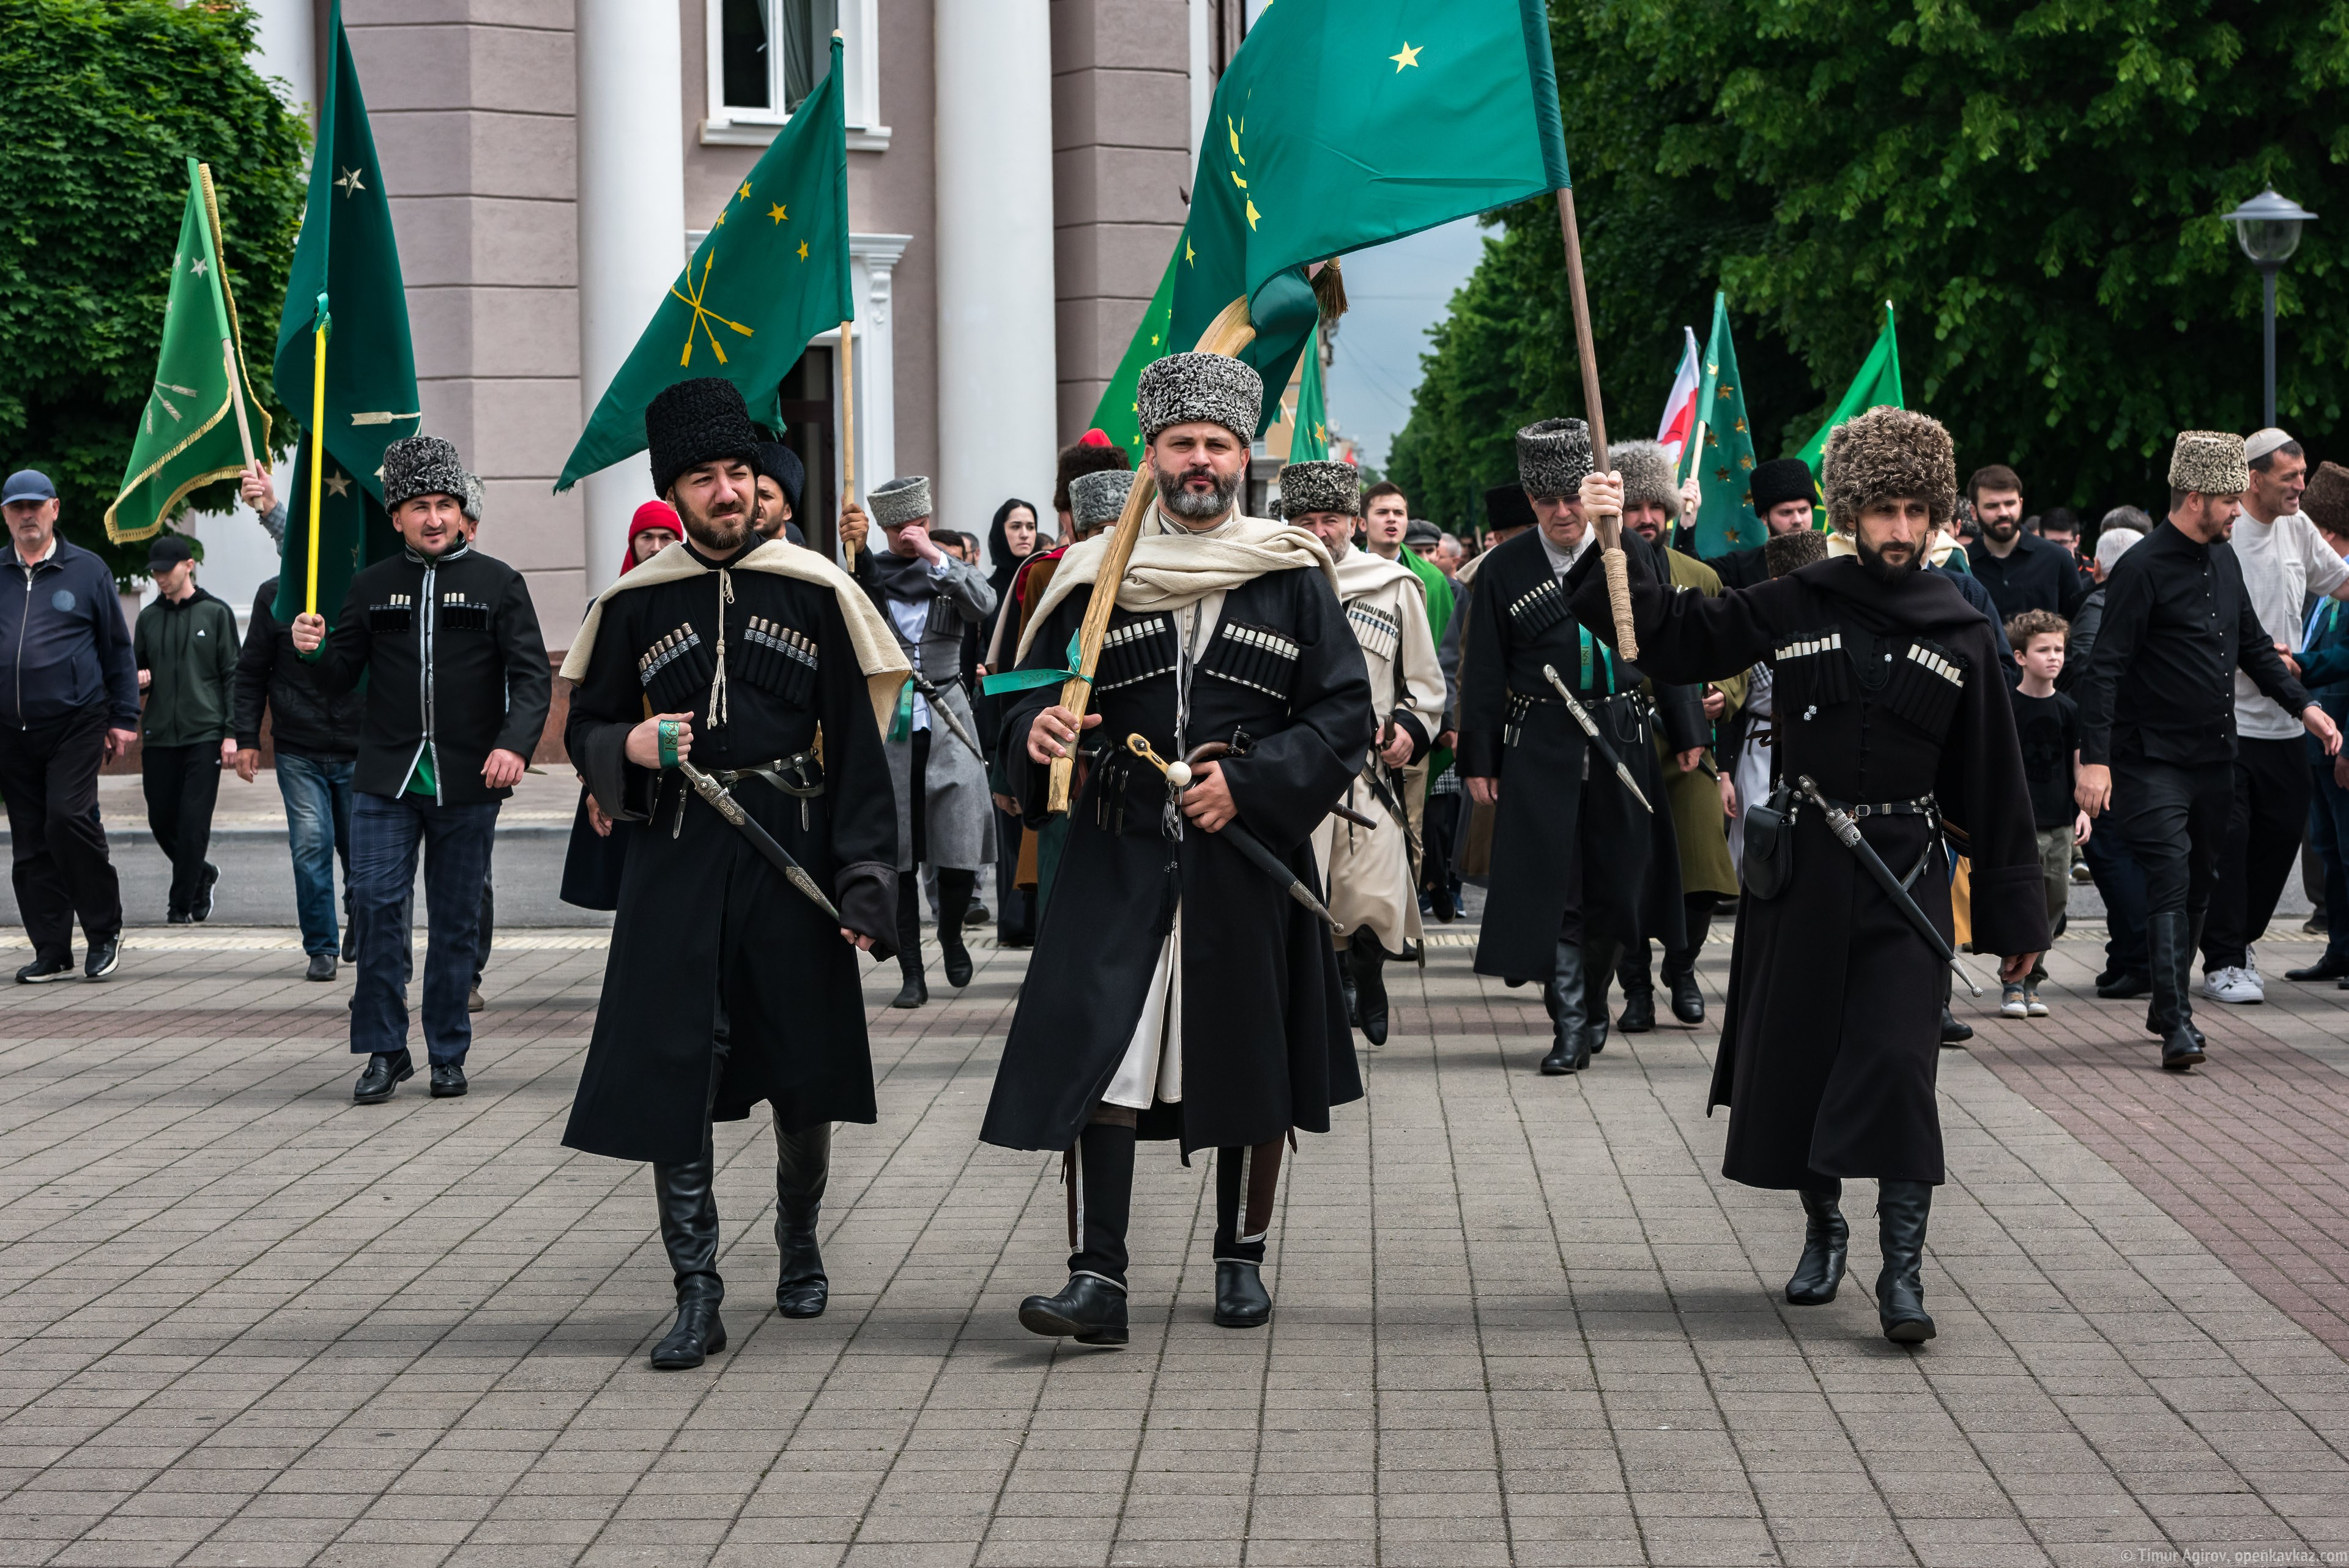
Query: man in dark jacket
[[1782, 491], [2022, 570], [316, 738], [68, 699], [185, 643], [458, 692]]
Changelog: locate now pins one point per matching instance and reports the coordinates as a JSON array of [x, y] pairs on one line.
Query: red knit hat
[[652, 515]]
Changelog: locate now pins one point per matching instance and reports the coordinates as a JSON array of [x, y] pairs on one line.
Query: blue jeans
[[385, 838], [2328, 834], [318, 825]]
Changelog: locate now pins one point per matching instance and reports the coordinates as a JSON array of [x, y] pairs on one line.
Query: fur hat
[[1553, 457], [900, 501], [1780, 480], [1099, 497], [1086, 455], [426, 465], [1647, 475], [1505, 506], [1188, 388], [781, 464], [1886, 453], [2207, 463], [1784, 552], [1321, 487], [2325, 502], [697, 422]]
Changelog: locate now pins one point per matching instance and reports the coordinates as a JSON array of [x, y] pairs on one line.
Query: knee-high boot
[[1826, 1239], [954, 900], [802, 1164], [1098, 1171], [1370, 963], [2170, 949], [1597, 971], [688, 1222], [1638, 988], [915, 991], [1902, 1207], [1247, 1179], [1563, 997]]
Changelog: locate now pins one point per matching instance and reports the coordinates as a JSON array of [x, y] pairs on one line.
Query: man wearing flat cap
[[457, 697], [1373, 892], [2157, 712], [1581, 864], [764, 666], [1782, 491], [1889, 697], [1178, 990]]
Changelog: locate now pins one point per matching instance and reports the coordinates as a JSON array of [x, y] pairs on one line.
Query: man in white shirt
[[2284, 559]]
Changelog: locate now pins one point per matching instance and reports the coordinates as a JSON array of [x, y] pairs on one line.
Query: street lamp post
[[2268, 228]]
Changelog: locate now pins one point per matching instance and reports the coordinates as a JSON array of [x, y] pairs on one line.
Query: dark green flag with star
[[1346, 123], [1118, 415], [1721, 449], [345, 264], [772, 274]]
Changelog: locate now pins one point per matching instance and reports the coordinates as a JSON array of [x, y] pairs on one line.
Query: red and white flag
[[1679, 409]]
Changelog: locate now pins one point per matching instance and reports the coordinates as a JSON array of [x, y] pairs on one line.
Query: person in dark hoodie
[[185, 643]]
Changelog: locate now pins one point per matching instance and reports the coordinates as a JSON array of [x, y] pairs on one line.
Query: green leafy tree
[[2036, 186], [106, 99]]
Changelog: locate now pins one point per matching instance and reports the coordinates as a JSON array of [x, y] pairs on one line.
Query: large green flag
[[1117, 415], [1308, 441], [1721, 454], [346, 271], [188, 432], [1346, 123], [772, 274], [1876, 386]]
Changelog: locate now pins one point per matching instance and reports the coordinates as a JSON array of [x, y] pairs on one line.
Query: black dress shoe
[[322, 967], [2331, 966], [1638, 1015], [104, 956], [957, 956], [2181, 1049], [698, 1335], [1953, 1031], [448, 1080], [1688, 1000], [2124, 987], [1241, 1300], [384, 1071], [40, 971], [1088, 1310], [913, 993]]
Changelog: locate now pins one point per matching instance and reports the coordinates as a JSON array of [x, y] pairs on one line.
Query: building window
[[770, 54]]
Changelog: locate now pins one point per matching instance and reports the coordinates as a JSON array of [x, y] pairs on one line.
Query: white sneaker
[[2011, 1003], [2240, 986]]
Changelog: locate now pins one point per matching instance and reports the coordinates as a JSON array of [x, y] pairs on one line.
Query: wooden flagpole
[[847, 429], [1610, 529]]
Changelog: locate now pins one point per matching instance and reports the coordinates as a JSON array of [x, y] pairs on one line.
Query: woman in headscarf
[[1011, 539]]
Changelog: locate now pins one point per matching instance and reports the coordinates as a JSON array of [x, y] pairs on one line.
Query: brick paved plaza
[[1519, 1320]]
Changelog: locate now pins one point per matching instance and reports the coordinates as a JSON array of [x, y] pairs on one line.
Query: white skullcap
[[2259, 443]]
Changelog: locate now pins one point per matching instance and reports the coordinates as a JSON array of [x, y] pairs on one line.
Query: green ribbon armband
[[1029, 680]]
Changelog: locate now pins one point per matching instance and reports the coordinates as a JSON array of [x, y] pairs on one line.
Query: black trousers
[[57, 844], [181, 784], [2121, 882], [1439, 830], [2175, 819], [2264, 833]]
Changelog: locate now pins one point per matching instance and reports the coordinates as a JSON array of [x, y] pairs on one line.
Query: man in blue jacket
[[69, 700]]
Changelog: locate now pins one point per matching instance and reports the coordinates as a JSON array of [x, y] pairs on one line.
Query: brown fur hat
[[2325, 502], [1085, 457], [1889, 452], [1647, 475], [1784, 552]]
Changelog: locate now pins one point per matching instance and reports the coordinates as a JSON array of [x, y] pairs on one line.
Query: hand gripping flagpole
[[317, 447], [1610, 529]]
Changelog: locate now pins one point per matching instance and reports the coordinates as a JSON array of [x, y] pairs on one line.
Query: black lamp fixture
[[2268, 228]]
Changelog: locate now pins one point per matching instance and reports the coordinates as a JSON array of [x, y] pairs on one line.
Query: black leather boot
[[1902, 1207], [1248, 1187], [1598, 970], [1826, 1241], [915, 991], [688, 1222], [2169, 948], [1563, 998], [1098, 1175], [803, 1163], [954, 902], [1090, 1310], [1347, 985], [1638, 1014], [1680, 978], [1241, 1300], [1371, 985]]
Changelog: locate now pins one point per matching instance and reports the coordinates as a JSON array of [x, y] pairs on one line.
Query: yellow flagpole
[[317, 448], [847, 426]]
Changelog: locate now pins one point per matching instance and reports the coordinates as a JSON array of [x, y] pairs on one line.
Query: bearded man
[[1781, 490], [1889, 698], [764, 666], [1177, 989]]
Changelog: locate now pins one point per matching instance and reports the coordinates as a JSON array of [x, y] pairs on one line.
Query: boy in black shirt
[[2049, 725]]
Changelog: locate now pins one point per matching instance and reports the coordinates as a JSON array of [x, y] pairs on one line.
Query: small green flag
[[1117, 415], [1876, 386], [188, 433], [1720, 453], [771, 274], [1308, 441], [348, 255]]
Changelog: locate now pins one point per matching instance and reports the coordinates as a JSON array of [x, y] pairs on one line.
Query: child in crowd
[[2049, 725]]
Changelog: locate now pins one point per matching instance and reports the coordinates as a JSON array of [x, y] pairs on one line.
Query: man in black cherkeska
[[1889, 695], [1580, 867], [764, 666], [1177, 989]]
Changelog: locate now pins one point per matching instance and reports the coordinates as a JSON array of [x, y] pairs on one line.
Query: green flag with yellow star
[[346, 268], [1118, 416], [1308, 441], [1346, 123], [772, 274], [1720, 451]]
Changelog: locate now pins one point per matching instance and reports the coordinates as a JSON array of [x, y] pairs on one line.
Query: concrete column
[[996, 359], [631, 218], [286, 45], [872, 263]]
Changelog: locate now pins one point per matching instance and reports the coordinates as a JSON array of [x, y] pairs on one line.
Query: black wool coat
[[1266, 1047], [1567, 835], [709, 940], [1831, 1041]]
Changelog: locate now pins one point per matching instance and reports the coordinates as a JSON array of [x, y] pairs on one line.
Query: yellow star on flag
[[776, 212], [1410, 56], [746, 190], [1253, 215], [722, 220], [1190, 256], [803, 250]]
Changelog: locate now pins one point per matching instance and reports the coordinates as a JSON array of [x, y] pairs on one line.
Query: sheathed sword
[[937, 699], [1590, 728], [722, 800], [1235, 833], [1847, 831]]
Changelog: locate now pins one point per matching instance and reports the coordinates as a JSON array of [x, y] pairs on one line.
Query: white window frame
[[860, 28]]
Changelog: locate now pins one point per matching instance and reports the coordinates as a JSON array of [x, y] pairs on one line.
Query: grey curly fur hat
[[1554, 457], [1889, 452], [1321, 487], [900, 501], [1647, 475], [693, 422], [426, 465], [2209, 463], [1187, 389], [469, 504], [1099, 497]]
